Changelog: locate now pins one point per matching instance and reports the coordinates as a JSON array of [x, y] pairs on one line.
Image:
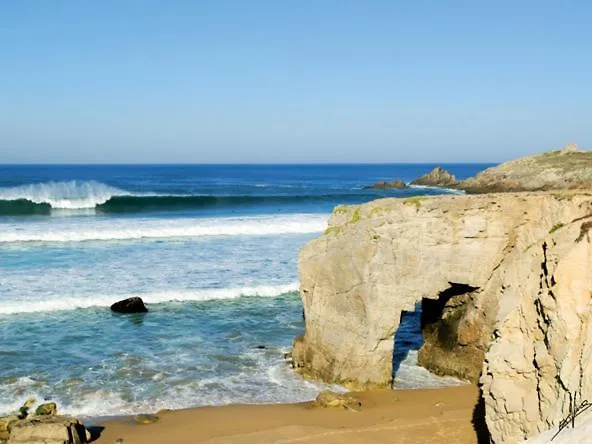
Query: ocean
[[212, 250]]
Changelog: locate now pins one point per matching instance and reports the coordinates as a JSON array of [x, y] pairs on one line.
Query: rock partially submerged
[[130, 305], [47, 409], [438, 177], [392, 185], [23, 411]]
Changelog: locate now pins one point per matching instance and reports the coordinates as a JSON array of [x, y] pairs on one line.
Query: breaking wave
[[138, 229], [88, 301], [45, 198], [71, 195]]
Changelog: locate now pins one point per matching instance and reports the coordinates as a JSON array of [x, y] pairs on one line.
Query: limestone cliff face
[[510, 280], [539, 361]]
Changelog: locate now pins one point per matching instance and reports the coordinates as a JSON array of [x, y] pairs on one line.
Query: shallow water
[[217, 266]]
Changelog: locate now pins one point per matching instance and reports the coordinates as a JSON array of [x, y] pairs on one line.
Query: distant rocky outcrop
[[505, 283], [555, 170], [438, 177], [392, 185], [566, 169], [130, 305]]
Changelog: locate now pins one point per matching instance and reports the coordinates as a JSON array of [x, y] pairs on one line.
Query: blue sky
[[292, 81]]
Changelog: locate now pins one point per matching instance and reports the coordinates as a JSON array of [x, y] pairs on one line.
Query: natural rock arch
[[381, 258]]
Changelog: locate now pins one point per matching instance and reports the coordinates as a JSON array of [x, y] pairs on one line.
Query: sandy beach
[[386, 416]]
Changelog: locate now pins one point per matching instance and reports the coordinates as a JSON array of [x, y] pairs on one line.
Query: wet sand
[[387, 416]]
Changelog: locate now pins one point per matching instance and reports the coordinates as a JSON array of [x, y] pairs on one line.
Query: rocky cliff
[[540, 360], [505, 284], [554, 170]]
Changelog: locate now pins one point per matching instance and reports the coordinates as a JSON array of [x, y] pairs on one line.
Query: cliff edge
[[567, 169], [505, 283]]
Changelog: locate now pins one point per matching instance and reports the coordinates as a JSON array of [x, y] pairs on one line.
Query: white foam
[[75, 302], [134, 229], [64, 195], [446, 190], [270, 381], [410, 375]]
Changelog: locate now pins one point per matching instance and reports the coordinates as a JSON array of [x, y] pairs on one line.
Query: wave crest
[[71, 195], [78, 302], [145, 229], [99, 198]]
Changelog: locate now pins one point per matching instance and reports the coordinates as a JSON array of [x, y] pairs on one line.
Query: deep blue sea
[[212, 250]]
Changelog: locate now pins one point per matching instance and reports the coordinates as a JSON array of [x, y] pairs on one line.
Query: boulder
[[328, 398], [438, 177], [48, 430], [145, 419], [47, 409], [130, 305], [392, 185]]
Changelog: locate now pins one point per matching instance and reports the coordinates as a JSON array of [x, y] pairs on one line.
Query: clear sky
[[292, 81]]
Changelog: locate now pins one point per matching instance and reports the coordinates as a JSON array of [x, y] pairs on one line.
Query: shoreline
[[449, 414]]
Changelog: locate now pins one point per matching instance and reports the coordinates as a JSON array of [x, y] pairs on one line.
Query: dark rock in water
[[261, 347], [23, 411], [130, 305], [438, 177], [393, 185]]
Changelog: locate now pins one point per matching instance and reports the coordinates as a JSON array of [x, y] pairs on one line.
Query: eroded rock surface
[[450, 346], [526, 259], [539, 361], [48, 430]]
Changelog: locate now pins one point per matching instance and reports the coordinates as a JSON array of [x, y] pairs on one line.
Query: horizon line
[[244, 164]]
